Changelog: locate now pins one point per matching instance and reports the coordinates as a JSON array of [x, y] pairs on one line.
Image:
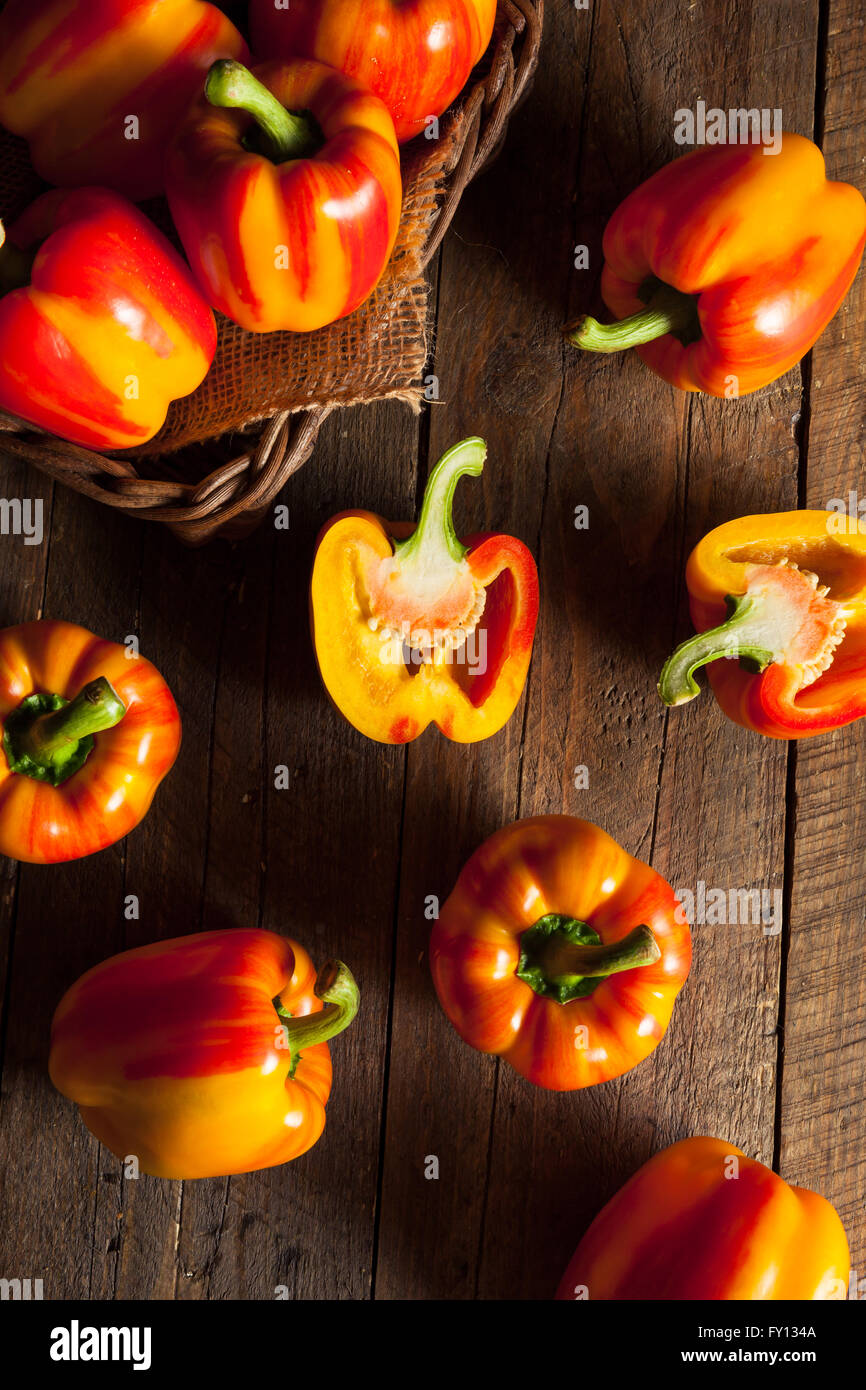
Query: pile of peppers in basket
[[282, 177], [557, 950], [283, 180]]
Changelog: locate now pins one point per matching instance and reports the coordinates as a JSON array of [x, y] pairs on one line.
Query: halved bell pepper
[[783, 598], [700, 1220], [560, 952], [89, 730], [98, 86], [204, 1055], [101, 324], [284, 184], [726, 265], [413, 626]]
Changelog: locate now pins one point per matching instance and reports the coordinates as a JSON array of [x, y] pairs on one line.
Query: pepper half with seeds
[[412, 626], [783, 598]]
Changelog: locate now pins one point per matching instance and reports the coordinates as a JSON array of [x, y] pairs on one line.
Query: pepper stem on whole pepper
[[286, 134], [335, 985], [638, 948], [668, 311], [563, 958], [49, 738]]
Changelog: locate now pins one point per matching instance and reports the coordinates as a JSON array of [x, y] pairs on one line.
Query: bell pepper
[[700, 1220], [412, 625], [560, 952], [110, 328], [726, 266], [89, 730], [416, 57], [793, 586], [97, 86], [205, 1055], [285, 188]]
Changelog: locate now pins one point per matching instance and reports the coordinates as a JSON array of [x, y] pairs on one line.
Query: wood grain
[[766, 1047], [822, 1117], [656, 470]]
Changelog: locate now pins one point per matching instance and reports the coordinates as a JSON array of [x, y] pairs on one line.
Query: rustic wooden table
[[766, 1047]]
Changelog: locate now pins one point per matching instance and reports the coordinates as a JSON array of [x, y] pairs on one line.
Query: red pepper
[[111, 327], [97, 86], [204, 1055], [726, 265], [285, 188], [779, 602], [702, 1221], [415, 56], [560, 952]]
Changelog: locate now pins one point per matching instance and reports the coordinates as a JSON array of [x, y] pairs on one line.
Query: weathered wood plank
[[822, 1140], [185, 597], [231, 890], [23, 567], [499, 361], [331, 853], [67, 919]]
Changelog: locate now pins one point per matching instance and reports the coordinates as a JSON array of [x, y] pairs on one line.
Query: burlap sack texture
[[226, 451]]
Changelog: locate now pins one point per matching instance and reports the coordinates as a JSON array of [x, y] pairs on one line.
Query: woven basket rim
[[233, 497]]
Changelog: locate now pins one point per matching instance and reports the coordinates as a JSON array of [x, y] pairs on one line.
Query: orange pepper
[[700, 1220], [284, 184], [413, 626], [786, 593], [726, 265], [416, 57], [89, 732], [76, 74], [560, 952], [205, 1055], [102, 326]]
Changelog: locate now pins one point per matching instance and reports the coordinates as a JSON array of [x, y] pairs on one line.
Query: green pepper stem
[[740, 635], [668, 311], [434, 544], [50, 737], [563, 961], [335, 985], [288, 134]]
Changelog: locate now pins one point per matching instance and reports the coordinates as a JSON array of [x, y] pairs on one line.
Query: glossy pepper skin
[[560, 952], [88, 733], [73, 72], [412, 626], [104, 328], [415, 56], [298, 235], [178, 1054], [700, 1220], [732, 261], [785, 592]]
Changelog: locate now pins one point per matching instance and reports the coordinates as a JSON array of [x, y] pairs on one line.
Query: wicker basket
[[232, 499]]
